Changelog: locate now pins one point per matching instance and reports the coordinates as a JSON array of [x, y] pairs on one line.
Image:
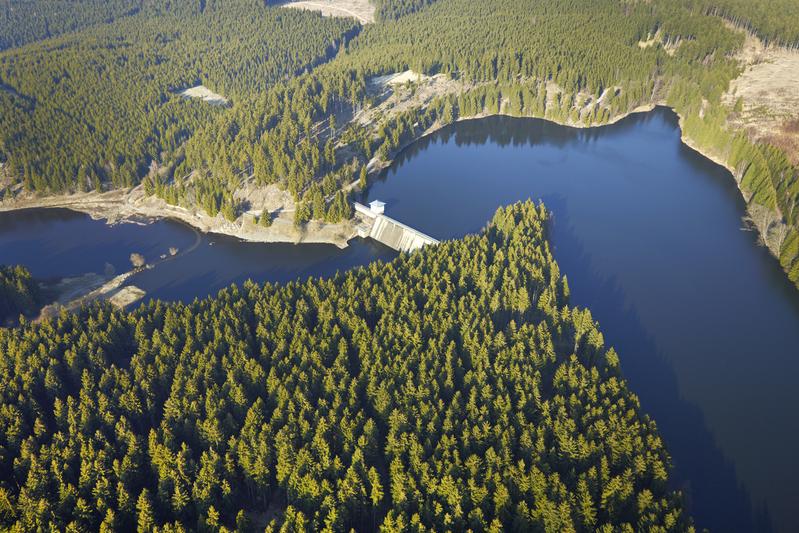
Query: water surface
[[649, 234], [61, 243]]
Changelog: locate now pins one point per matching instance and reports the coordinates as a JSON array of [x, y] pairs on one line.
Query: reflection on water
[[649, 234]]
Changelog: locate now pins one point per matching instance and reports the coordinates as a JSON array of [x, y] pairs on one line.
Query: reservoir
[[650, 236]]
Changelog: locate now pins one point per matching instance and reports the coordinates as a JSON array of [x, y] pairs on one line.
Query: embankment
[[125, 205]]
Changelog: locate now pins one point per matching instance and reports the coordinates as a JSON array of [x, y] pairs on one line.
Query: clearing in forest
[[398, 78], [769, 90], [205, 94], [362, 10]]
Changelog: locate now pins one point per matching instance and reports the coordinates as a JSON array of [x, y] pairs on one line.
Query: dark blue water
[[648, 233], [650, 236], [61, 243]]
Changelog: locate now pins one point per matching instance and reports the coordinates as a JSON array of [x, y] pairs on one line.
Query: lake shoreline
[[376, 165], [132, 205], [631, 204]]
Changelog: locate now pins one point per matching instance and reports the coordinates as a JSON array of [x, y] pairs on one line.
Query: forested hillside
[[102, 105], [19, 293], [27, 21], [452, 388], [775, 21], [498, 48], [572, 61]]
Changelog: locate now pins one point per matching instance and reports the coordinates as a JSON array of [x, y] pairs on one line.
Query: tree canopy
[[452, 388], [100, 108], [19, 292]]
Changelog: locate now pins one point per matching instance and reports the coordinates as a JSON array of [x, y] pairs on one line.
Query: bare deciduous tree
[[769, 225], [137, 260]]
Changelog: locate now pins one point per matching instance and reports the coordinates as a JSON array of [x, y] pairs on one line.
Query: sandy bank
[[74, 292], [132, 205]]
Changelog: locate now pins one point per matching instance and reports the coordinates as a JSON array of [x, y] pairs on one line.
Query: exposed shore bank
[[376, 165], [133, 205]]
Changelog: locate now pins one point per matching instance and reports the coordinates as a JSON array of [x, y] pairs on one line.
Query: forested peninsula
[[452, 388]]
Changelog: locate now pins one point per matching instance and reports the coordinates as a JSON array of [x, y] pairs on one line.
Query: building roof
[[376, 203]]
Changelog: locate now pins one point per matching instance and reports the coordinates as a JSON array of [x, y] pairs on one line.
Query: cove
[[650, 236]]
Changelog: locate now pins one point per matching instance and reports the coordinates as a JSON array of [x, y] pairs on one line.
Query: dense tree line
[[572, 61], [25, 21], [394, 9], [19, 293], [774, 21], [99, 107], [452, 388], [769, 181]]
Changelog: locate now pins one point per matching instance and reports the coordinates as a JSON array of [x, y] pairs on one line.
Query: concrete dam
[[394, 234]]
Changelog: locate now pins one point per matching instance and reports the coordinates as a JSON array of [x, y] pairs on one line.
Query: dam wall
[[390, 232]]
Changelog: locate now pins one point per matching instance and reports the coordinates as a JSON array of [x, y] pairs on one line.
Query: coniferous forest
[[19, 292], [100, 109], [26, 21], [454, 388]]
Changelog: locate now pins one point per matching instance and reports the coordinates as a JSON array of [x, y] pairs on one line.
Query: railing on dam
[[390, 232]]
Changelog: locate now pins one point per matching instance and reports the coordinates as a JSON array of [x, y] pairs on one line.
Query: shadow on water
[[715, 498], [530, 133], [680, 297]]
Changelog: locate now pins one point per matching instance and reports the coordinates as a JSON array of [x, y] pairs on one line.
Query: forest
[[394, 9], [19, 293], [111, 91], [97, 108], [451, 388], [27, 21], [774, 21]]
